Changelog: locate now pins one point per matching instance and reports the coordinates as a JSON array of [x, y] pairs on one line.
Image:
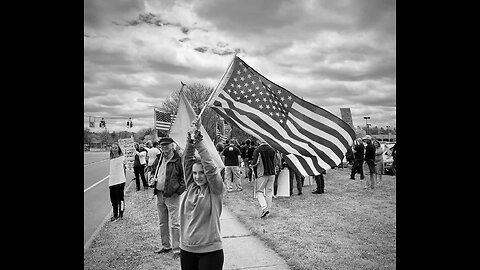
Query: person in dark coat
[[168, 185], [358, 158]]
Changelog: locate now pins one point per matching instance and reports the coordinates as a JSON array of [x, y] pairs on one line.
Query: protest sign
[[128, 148]]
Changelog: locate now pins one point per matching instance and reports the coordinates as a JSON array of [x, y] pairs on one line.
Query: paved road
[[96, 198]]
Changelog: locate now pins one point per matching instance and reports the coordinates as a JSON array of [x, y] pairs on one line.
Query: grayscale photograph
[[239, 134]]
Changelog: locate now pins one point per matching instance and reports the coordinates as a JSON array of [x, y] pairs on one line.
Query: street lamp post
[[366, 118]]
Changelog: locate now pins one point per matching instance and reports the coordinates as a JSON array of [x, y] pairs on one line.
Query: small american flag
[[163, 120], [312, 139]]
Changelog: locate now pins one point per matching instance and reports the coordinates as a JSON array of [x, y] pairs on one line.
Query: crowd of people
[[366, 157], [190, 224]]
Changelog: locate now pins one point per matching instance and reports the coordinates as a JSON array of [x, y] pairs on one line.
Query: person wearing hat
[[168, 185], [370, 162]]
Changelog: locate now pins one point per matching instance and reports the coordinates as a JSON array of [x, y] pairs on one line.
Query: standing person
[[232, 161], [320, 181], [152, 154], [278, 167], [264, 169], [116, 181], [200, 208], [139, 166], [370, 162], [220, 147], [378, 160], [168, 185], [298, 178], [250, 151], [147, 146], [358, 159], [243, 154]]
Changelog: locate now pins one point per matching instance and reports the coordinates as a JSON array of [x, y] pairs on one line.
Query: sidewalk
[[242, 250]]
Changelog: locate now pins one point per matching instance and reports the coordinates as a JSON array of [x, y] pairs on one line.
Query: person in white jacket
[[116, 181]]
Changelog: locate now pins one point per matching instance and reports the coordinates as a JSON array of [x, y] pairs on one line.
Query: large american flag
[[312, 139], [163, 120]]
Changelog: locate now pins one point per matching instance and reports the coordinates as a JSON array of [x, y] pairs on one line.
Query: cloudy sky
[[335, 54]]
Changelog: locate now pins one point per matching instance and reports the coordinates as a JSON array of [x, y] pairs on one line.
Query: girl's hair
[[198, 160], [120, 153], [374, 142]]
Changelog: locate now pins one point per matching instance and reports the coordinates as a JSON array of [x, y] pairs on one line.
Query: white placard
[[128, 148]]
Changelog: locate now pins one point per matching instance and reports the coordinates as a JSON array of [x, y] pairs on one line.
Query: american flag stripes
[[312, 139], [163, 120]]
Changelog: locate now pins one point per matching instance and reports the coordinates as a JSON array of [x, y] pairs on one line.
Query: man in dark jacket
[[168, 185], [232, 161], [358, 158], [263, 162]]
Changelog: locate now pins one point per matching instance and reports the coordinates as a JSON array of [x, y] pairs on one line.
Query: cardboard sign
[[128, 148]]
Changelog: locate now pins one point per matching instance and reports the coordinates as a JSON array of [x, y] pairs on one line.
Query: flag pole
[[216, 88]]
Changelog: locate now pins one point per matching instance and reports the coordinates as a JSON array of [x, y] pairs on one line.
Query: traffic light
[[102, 123], [128, 124], [131, 124]]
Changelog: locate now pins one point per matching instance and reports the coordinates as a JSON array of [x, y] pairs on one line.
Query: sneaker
[[265, 213], [300, 193], [162, 250], [113, 218], [239, 189], [352, 178], [317, 192]]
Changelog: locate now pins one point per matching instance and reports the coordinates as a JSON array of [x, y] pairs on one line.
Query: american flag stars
[[247, 88]]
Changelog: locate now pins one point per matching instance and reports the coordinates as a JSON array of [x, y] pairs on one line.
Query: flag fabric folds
[[312, 139], [179, 130], [163, 120]]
